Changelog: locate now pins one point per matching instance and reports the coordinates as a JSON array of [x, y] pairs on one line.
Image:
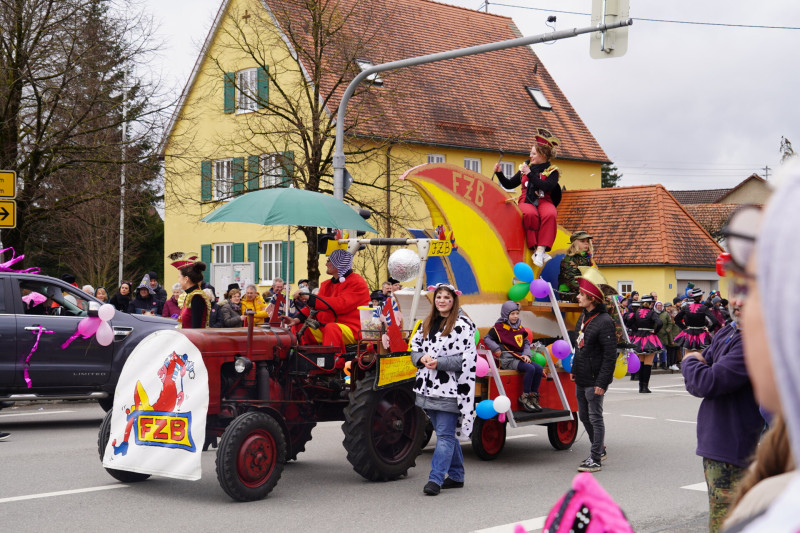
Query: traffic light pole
[[338, 155]]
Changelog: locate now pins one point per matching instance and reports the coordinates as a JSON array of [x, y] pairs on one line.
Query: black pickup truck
[[30, 303]]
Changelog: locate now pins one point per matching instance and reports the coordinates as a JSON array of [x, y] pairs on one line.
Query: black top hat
[[393, 281], [69, 278], [233, 286]]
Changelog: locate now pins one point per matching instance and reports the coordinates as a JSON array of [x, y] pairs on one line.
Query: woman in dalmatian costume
[[443, 350]]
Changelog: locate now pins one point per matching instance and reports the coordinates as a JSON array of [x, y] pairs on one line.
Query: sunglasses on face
[[740, 232]]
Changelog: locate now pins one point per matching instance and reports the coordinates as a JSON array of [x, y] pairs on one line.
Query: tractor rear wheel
[[488, 438], [383, 430], [102, 440], [251, 455], [562, 434]]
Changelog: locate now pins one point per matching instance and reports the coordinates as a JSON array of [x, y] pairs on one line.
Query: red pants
[[333, 334], [539, 223]]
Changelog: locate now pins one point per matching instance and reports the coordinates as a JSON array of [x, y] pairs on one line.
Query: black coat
[[549, 185], [593, 365], [695, 315]]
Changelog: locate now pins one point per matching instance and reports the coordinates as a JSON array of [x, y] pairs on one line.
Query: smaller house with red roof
[[644, 239]]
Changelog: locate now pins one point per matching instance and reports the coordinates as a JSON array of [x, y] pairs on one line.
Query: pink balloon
[[540, 288], [105, 335], [633, 363], [482, 367], [106, 312], [88, 326]]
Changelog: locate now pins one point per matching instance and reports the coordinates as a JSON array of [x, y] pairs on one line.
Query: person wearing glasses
[[444, 352]]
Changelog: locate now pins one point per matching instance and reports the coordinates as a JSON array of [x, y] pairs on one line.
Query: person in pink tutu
[[643, 324], [695, 320]]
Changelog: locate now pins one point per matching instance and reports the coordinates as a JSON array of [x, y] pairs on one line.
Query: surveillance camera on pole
[[609, 43]]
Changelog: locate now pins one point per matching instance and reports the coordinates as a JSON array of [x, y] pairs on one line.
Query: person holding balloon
[[593, 364], [196, 310], [444, 352], [540, 196], [644, 325], [508, 341]]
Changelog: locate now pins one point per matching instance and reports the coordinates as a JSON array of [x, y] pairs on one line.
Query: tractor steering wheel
[[312, 315]]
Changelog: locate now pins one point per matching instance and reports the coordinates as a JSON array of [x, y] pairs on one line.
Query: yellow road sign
[[8, 214], [8, 184]]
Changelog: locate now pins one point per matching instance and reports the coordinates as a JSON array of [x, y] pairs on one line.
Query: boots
[[534, 400], [644, 378], [526, 401], [635, 376]]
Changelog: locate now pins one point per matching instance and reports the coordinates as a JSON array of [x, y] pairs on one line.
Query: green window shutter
[[205, 181], [291, 262], [205, 257], [230, 92], [253, 249], [263, 87], [288, 276], [287, 168], [252, 173], [238, 252], [238, 175]]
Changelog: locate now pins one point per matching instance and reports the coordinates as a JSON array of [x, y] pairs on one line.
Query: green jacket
[[669, 330], [570, 271]]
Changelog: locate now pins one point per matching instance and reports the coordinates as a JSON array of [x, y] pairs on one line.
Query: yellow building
[[258, 111]]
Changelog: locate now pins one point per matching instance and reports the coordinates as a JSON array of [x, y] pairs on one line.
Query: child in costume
[[644, 324], [579, 254], [508, 341], [540, 196]]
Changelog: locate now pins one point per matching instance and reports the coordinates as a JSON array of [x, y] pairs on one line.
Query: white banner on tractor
[[159, 417]]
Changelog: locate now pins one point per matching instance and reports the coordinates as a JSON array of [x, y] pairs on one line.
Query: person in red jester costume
[[344, 292]]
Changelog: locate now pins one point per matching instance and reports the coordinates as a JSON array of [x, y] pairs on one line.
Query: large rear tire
[[251, 455], [102, 440], [562, 434], [383, 430], [488, 438]]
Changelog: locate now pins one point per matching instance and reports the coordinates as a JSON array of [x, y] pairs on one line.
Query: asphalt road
[[51, 479]]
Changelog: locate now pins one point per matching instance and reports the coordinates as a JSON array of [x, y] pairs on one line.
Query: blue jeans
[[447, 456], [590, 411]]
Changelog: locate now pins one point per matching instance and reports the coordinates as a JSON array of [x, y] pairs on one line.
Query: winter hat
[[153, 276], [696, 293], [145, 284], [342, 260], [716, 300], [508, 308], [233, 286], [646, 298]]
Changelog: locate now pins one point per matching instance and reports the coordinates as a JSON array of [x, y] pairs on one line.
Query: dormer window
[[539, 97], [373, 78]]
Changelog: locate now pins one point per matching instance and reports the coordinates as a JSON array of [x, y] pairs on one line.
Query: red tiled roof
[[477, 102], [711, 216], [703, 196], [638, 225]]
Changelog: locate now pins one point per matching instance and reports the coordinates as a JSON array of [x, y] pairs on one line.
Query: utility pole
[[766, 172]]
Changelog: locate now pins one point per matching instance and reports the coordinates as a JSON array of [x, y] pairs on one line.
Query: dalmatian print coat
[[459, 385]]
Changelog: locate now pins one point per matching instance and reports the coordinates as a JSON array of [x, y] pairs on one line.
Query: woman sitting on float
[[508, 341]]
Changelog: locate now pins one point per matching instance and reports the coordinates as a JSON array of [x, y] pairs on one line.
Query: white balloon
[[404, 265], [502, 404], [106, 312], [104, 335]]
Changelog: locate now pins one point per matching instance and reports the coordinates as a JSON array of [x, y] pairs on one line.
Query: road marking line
[[61, 493], [520, 436], [534, 524], [700, 487], [681, 421], [637, 416], [36, 413]]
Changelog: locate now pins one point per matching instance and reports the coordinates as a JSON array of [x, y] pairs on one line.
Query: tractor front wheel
[[251, 455], [488, 438], [383, 430], [102, 441]]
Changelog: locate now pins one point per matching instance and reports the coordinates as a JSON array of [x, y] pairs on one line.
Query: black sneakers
[[452, 484], [431, 488], [589, 466], [604, 455]]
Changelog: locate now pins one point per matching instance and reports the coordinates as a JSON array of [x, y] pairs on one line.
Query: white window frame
[[271, 265], [270, 170], [539, 98], [223, 179], [374, 78], [621, 285], [247, 90], [223, 252], [435, 158], [473, 164]]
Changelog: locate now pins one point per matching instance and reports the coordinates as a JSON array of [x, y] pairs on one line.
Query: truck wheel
[[562, 434], [102, 440], [299, 435], [250, 457], [488, 438], [383, 430]]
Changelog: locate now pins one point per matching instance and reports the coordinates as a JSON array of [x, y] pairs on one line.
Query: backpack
[[587, 508]]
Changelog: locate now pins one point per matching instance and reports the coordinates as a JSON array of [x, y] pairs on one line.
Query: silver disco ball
[[404, 265]]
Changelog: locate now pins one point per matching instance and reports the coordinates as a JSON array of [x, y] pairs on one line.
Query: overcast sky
[[689, 106]]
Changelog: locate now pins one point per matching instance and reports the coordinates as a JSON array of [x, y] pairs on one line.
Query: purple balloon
[[561, 349], [633, 363], [540, 288]]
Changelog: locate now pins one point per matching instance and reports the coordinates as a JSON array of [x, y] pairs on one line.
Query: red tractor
[[266, 394]]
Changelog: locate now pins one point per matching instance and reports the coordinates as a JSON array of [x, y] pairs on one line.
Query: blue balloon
[[566, 363], [550, 274], [523, 272], [485, 409]]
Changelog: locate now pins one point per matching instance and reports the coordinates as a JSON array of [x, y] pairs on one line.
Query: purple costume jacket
[[728, 421]]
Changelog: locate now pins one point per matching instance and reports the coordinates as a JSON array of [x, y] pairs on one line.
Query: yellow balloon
[[621, 367]]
